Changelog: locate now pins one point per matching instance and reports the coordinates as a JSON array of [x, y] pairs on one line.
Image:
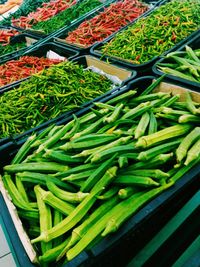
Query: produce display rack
[[165, 231]]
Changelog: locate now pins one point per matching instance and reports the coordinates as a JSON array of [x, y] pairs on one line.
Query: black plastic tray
[[60, 36], [144, 68], [80, 60], [39, 51], [116, 250], [194, 43], [19, 39]]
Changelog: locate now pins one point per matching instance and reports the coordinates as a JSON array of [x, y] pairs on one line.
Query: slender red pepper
[[25, 66], [107, 22]]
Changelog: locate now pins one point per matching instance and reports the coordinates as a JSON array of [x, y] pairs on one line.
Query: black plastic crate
[[61, 35], [116, 250], [144, 68], [40, 51], [194, 43], [82, 60]]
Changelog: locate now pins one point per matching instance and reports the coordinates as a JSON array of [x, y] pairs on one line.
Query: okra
[[135, 180], [163, 135], [21, 189], [73, 130], [123, 161], [93, 232], [64, 195], [172, 100], [188, 118], [70, 221], [137, 111], [110, 193], [97, 174], [104, 106], [61, 157], [55, 202], [46, 167], [77, 169], [45, 217], [24, 150], [52, 254], [157, 150], [92, 128], [111, 151], [153, 163], [130, 206], [122, 97], [152, 123], [42, 179], [82, 229], [142, 125], [149, 97], [127, 192], [78, 176], [153, 173], [88, 141], [190, 105], [189, 139], [152, 86], [56, 137], [16, 197], [57, 217], [29, 215], [193, 153], [114, 116], [192, 54]]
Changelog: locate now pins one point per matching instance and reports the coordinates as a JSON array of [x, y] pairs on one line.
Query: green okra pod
[[142, 125], [193, 153], [64, 195], [61, 157], [128, 191], [130, 206], [46, 167], [135, 180], [189, 139]]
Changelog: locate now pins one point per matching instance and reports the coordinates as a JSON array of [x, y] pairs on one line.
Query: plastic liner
[[117, 249], [194, 43], [144, 68]]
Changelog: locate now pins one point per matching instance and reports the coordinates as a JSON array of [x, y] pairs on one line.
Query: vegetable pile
[[159, 31], [47, 94], [67, 16], [25, 8], [6, 34], [5, 41], [107, 22], [183, 64], [106, 164], [25, 66], [43, 13]]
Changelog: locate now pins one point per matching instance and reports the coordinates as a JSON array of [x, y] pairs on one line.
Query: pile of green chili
[[46, 95], [156, 33], [64, 18], [9, 48]]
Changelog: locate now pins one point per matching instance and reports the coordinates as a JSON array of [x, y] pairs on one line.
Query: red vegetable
[[25, 66], [107, 22], [46, 11], [5, 35]]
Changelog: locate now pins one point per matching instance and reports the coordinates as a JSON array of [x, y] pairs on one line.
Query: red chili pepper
[[6, 34], [25, 66], [107, 22]]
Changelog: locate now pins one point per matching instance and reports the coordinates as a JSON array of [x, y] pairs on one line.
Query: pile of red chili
[[25, 66], [6, 34], [46, 11], [107, 22]]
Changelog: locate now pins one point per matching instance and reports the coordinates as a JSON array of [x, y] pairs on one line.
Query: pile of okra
[[74, 184]]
